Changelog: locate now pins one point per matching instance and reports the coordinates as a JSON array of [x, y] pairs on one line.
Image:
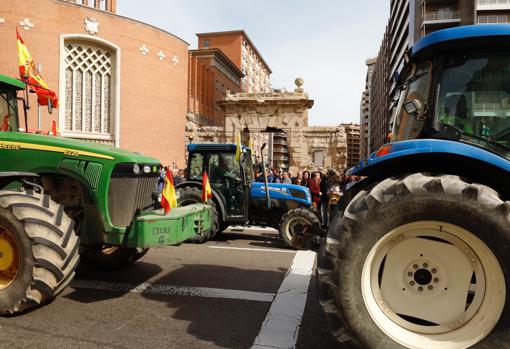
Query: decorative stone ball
[[299, 82]]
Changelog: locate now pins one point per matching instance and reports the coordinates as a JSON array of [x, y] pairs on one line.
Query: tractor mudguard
[[428, 147], [282, 192], [449, 157], [217, 197]]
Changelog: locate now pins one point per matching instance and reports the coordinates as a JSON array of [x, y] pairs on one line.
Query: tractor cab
[[238, 200], [457, 87], [8, 103], [229, 176]]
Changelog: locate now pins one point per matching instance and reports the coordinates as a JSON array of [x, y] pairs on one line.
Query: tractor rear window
[[196, 166]]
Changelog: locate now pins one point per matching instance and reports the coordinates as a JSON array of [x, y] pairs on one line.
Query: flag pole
[[38, 106], [26, 108]]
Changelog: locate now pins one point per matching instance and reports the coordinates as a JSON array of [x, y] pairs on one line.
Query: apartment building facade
[[365, 110], [211, 74], [239, 48], [352, 132]]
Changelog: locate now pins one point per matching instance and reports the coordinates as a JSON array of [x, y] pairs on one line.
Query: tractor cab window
[[8, 120], [223, 166], [411, 111], [196, 167], [473, 95], [225, 176]]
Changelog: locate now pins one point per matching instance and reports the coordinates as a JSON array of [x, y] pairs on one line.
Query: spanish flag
[[206, 188], [168, 198], [239, 149], [30, 75]]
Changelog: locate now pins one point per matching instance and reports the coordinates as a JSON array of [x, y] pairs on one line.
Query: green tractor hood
[[69, 147]]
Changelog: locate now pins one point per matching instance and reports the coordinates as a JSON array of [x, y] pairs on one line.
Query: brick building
[[239, 48], [211, 74], [119, 81]]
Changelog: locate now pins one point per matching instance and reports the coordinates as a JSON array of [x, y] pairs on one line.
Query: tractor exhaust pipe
[[268, 199]]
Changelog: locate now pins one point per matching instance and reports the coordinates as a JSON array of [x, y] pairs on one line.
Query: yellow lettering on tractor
[[71, 153], [50, 148], [9, 146]]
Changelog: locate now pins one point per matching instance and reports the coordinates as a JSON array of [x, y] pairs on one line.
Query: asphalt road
[[228, 293]]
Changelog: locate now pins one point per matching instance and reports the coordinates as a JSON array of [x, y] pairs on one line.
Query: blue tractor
[[420, 255], [238, 200]]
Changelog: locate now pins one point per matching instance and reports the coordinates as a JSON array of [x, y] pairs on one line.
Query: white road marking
[[252, 249], [151, 288], [281, 326]]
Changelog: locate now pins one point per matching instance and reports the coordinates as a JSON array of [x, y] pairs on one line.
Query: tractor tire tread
[[52, 250]]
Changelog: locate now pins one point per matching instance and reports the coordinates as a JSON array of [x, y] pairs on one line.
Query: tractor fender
[[438, 156], [217, 197]]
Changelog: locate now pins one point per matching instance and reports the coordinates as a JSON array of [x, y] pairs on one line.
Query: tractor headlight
[[146, 169], [136, 169]]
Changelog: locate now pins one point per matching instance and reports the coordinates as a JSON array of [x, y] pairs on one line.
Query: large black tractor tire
[[112, 258], [192, 195], [298, 227], [38, 250], [421, 262]]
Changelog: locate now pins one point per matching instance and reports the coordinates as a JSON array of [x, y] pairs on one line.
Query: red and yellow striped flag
[[168, 198], [30, 75], [206, 187]]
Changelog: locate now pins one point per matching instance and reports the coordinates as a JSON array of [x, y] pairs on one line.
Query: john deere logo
[[9, 146]]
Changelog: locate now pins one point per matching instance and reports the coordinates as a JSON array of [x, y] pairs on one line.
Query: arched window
[[89, 91]]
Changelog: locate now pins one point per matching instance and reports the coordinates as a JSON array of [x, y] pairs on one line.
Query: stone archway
[[253, 115]]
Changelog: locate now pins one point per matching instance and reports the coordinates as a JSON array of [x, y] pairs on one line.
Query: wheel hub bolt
[[420, 288], [415, 266], [410, 274], [425, 265], [430, 287], [436, 280], [433, 270], [412, 283]]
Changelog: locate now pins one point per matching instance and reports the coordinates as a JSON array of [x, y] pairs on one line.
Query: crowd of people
[[326, 187]]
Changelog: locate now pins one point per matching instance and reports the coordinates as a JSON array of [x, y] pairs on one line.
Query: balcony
[[441, 17], [492, 5]]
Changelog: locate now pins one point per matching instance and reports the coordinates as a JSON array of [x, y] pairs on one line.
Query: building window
[[89, 90], [493, 19], [318, 158], [206, 43]]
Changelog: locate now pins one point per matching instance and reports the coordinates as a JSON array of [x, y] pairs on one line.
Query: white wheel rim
[[293, 224], [418, 286]]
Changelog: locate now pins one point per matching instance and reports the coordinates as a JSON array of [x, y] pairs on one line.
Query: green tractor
[[82, 200]]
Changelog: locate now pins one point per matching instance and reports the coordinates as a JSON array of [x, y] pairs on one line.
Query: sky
[[325, 42]]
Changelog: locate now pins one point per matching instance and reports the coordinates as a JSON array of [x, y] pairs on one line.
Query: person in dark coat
[[315, 189], [324, 203], [305, 182]]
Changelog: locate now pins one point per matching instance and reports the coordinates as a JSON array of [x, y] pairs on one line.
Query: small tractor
[[238, 200], [80, 199], [419, 256]]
